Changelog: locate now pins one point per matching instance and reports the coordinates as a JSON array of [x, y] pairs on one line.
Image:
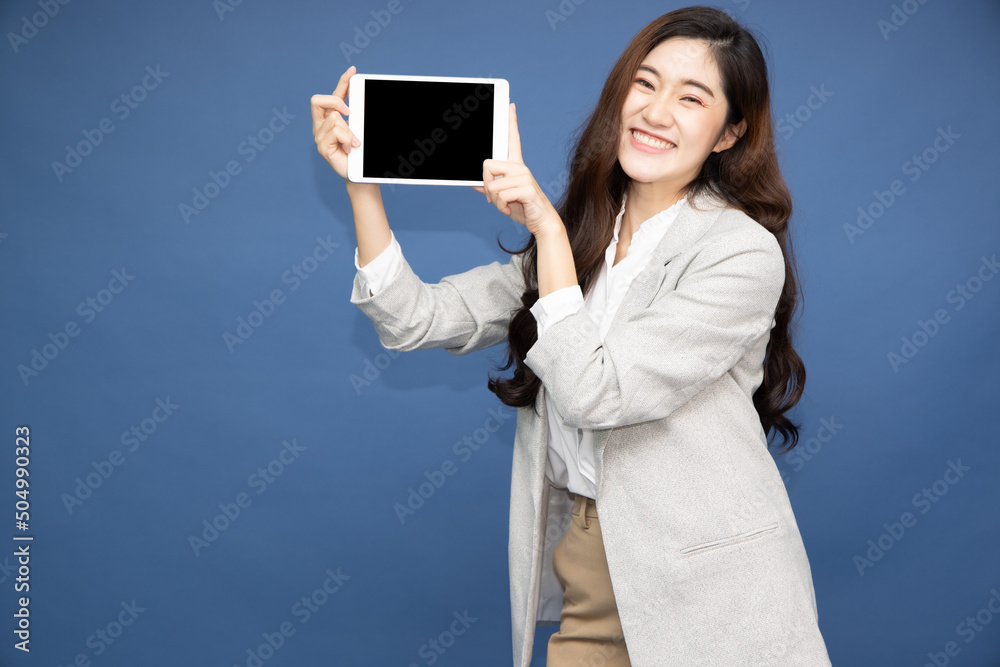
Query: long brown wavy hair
[[746, 176]]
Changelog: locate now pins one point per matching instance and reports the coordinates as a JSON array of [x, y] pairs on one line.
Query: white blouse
[[570, 461]]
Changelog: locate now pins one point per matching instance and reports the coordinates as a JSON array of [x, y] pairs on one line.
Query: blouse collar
[[647, 226]]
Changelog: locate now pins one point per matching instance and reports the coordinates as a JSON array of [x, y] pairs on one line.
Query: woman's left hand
[[512, 189]]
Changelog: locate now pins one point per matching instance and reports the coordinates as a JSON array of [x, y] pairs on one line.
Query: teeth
[[650, 141]]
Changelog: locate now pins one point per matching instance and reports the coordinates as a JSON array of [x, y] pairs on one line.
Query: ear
[[732, 135]]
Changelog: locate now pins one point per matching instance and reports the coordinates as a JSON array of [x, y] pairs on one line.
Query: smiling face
[[673, 117]]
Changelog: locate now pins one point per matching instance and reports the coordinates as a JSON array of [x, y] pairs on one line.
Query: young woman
[[647, 320]]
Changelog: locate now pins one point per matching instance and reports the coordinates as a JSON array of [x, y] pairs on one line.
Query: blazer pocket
[[749, 535]]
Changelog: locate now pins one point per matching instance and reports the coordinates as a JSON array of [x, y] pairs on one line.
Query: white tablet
[[433, 130]]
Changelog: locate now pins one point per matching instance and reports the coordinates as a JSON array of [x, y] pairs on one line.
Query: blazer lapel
[[689, 226]]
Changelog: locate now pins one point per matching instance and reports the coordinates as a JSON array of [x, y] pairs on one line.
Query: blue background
[[362, 447]]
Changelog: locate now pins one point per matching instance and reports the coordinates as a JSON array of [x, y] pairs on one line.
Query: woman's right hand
[[334, 138]]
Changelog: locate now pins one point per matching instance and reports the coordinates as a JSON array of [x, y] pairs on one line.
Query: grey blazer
[[706, 559]]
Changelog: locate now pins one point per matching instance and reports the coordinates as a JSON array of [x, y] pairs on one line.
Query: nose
[[659, 111]]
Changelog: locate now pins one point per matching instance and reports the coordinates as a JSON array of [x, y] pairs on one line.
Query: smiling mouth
[[652, 142]]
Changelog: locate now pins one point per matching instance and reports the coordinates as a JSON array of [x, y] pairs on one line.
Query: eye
[[643, 82], [693, 99]]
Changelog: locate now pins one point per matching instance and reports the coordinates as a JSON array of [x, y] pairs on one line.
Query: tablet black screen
[[427, 129]]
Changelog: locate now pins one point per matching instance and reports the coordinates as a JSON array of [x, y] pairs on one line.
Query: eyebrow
[[686, 82]]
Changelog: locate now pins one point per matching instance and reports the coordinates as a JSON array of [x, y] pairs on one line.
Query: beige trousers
[[590, 632]]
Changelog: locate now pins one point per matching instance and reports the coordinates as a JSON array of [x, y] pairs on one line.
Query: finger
[[513, 138], [320, 106], [505, 169], [506, 175], [341, 89], [478, 189], [344, 132], [343, 137], [494, 182], [337, 139], [487, 179], [320, 103], [510, 195], [318, 111], [495, 170], [498, 200], [326, 102], [499, 174], [327, 143]]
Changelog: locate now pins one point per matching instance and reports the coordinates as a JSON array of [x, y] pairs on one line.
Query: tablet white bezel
[[356, 101]]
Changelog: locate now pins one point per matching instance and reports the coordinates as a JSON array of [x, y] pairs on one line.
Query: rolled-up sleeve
[[376, 274], [461, 313], [556, 306]]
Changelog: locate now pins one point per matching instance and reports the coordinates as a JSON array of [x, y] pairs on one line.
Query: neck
[[646, 200]]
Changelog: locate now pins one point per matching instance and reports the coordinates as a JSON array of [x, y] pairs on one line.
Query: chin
[[642, 174]]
